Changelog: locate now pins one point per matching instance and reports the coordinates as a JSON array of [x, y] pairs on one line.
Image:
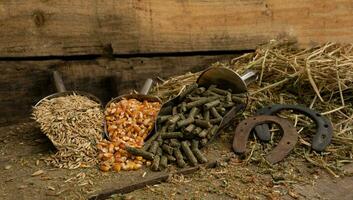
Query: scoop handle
[[249, 76], [146, 86], [117, 82], [58, 81]]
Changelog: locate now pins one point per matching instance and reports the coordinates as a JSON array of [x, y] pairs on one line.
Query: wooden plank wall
[[38, 36], [80, 27]]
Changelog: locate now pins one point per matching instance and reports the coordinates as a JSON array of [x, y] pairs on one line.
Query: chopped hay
[[74, 124], [320, 78]]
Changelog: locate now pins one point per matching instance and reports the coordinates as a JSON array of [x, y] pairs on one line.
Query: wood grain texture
[[67, 27], [23, 83]]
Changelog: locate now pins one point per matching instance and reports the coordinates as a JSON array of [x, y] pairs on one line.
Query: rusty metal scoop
[[61, 91]]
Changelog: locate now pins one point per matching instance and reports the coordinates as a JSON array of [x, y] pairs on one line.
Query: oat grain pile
[[74, 125]]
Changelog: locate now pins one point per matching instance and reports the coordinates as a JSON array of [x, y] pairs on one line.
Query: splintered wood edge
[[154, 180]]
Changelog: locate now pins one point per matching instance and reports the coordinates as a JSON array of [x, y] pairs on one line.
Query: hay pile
[[320, 78], [74, 124]]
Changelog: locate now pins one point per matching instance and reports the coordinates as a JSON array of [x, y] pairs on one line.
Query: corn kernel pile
[[128, 123]]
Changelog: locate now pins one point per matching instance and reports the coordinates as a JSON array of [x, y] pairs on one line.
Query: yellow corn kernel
[[139, 162], [148, 163], [111, 148], [137, 166], [124, 166], [104, 167], [117, 167], [107, 156]]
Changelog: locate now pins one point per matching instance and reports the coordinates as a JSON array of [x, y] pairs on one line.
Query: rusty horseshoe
[[285, 145]]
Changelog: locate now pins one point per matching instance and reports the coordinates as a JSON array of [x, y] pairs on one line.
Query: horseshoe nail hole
[[288, 142], [245, 123], [269, 107], [254, 118], [323, 137], [241, 130], [318, 114], [326, 125]]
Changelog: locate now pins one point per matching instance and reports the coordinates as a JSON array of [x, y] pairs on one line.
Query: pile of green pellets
[[186, 124]]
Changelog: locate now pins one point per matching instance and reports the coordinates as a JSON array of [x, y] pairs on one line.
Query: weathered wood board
[[67, 27], [23, 83]]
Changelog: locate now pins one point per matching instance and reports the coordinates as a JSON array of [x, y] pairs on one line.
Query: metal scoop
[[225, 79], [61, 91], [141, 96]]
